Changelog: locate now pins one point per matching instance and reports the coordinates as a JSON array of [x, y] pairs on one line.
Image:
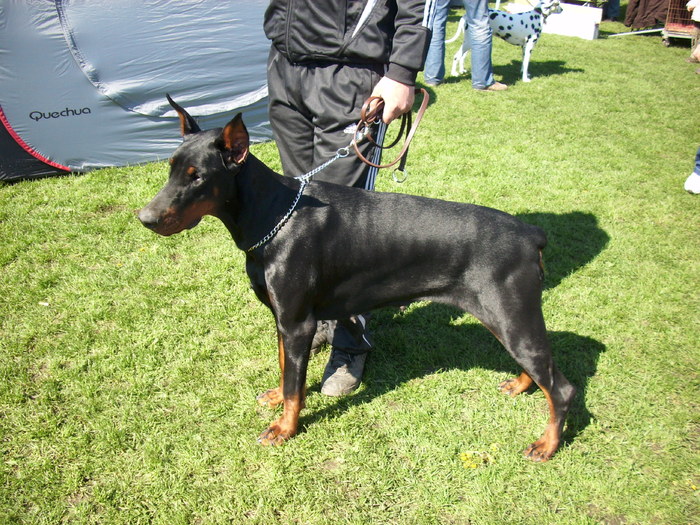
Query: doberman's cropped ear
[[234, 142], [187, 124]]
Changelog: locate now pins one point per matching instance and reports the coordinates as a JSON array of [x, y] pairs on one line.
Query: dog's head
[[201, 174], [550, 7]]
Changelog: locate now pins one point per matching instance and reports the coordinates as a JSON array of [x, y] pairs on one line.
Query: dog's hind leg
[[516, 385], [458, 60], [530, 349], [458, 67], [462, 60], [527, 51], [519, 326]]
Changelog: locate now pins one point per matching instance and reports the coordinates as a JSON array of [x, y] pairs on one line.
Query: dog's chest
[[516, 28]]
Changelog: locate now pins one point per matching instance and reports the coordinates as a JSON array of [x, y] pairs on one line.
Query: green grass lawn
[[129, 363]]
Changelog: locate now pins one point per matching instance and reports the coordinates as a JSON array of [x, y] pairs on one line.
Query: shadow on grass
[[650, 32], [573, 240], [511, 73], [425, 339]]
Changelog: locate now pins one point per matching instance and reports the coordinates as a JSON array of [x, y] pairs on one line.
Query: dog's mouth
[[193, 223], [167, 225], [170, 220], [169, 228]]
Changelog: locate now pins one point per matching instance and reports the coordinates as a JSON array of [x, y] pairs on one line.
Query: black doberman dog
[[324, 251]]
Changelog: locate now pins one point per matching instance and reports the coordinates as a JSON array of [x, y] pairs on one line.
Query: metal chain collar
[[371, 114], [341, 153]]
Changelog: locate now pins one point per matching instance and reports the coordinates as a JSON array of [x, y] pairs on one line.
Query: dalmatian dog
[[520, 29]]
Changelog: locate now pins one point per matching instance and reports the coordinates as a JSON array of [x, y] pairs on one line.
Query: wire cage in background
[[678, 22]]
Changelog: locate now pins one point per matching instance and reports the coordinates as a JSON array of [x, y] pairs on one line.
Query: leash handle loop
[[372, 112]]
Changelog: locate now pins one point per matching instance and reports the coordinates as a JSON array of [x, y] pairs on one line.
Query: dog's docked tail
[[540, 238]]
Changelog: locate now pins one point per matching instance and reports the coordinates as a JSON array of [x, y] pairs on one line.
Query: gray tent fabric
[[83, 82]]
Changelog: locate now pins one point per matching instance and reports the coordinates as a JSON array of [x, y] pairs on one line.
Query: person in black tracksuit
[[327, 57]]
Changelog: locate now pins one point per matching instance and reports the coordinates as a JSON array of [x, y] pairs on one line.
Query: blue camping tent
[[83, 82]]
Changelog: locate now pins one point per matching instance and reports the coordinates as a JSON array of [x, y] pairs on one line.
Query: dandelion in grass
[[472, 459]]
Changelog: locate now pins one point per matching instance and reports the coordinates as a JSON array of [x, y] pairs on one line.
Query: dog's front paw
[[516, 385], [271, 398], [275, 435], [271, 438], [541, 450]]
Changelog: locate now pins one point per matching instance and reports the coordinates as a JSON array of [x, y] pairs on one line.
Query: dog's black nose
[[148, 218]]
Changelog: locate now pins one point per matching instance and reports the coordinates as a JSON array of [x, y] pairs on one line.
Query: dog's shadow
[[573, 240], [425, 339], [511, 73]]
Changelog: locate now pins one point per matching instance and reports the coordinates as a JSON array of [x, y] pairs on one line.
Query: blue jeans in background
[[611, 10], [434, 71], [478, 32]]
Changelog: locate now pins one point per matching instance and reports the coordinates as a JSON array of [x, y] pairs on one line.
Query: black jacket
[[389, 32]]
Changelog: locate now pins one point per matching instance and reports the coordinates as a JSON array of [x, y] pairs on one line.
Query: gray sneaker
[[320, 338], [343, 373]]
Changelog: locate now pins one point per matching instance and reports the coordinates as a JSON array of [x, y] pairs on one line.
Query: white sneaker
[[692, 183]]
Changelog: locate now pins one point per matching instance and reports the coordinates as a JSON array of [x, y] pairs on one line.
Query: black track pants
[[313, 112]]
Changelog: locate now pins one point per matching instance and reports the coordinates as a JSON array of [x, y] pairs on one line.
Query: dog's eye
[[193, 174]]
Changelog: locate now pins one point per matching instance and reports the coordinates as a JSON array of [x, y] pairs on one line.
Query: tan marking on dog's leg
[[516, 385], [286, 426], [545, 447]]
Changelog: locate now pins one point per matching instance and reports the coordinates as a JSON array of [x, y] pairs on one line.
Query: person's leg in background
[[611, 10], [692, 183], [480, 41], [434, 72]]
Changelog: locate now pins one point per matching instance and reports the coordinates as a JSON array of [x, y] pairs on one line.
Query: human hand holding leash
[[398, 98], [376, 107]]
